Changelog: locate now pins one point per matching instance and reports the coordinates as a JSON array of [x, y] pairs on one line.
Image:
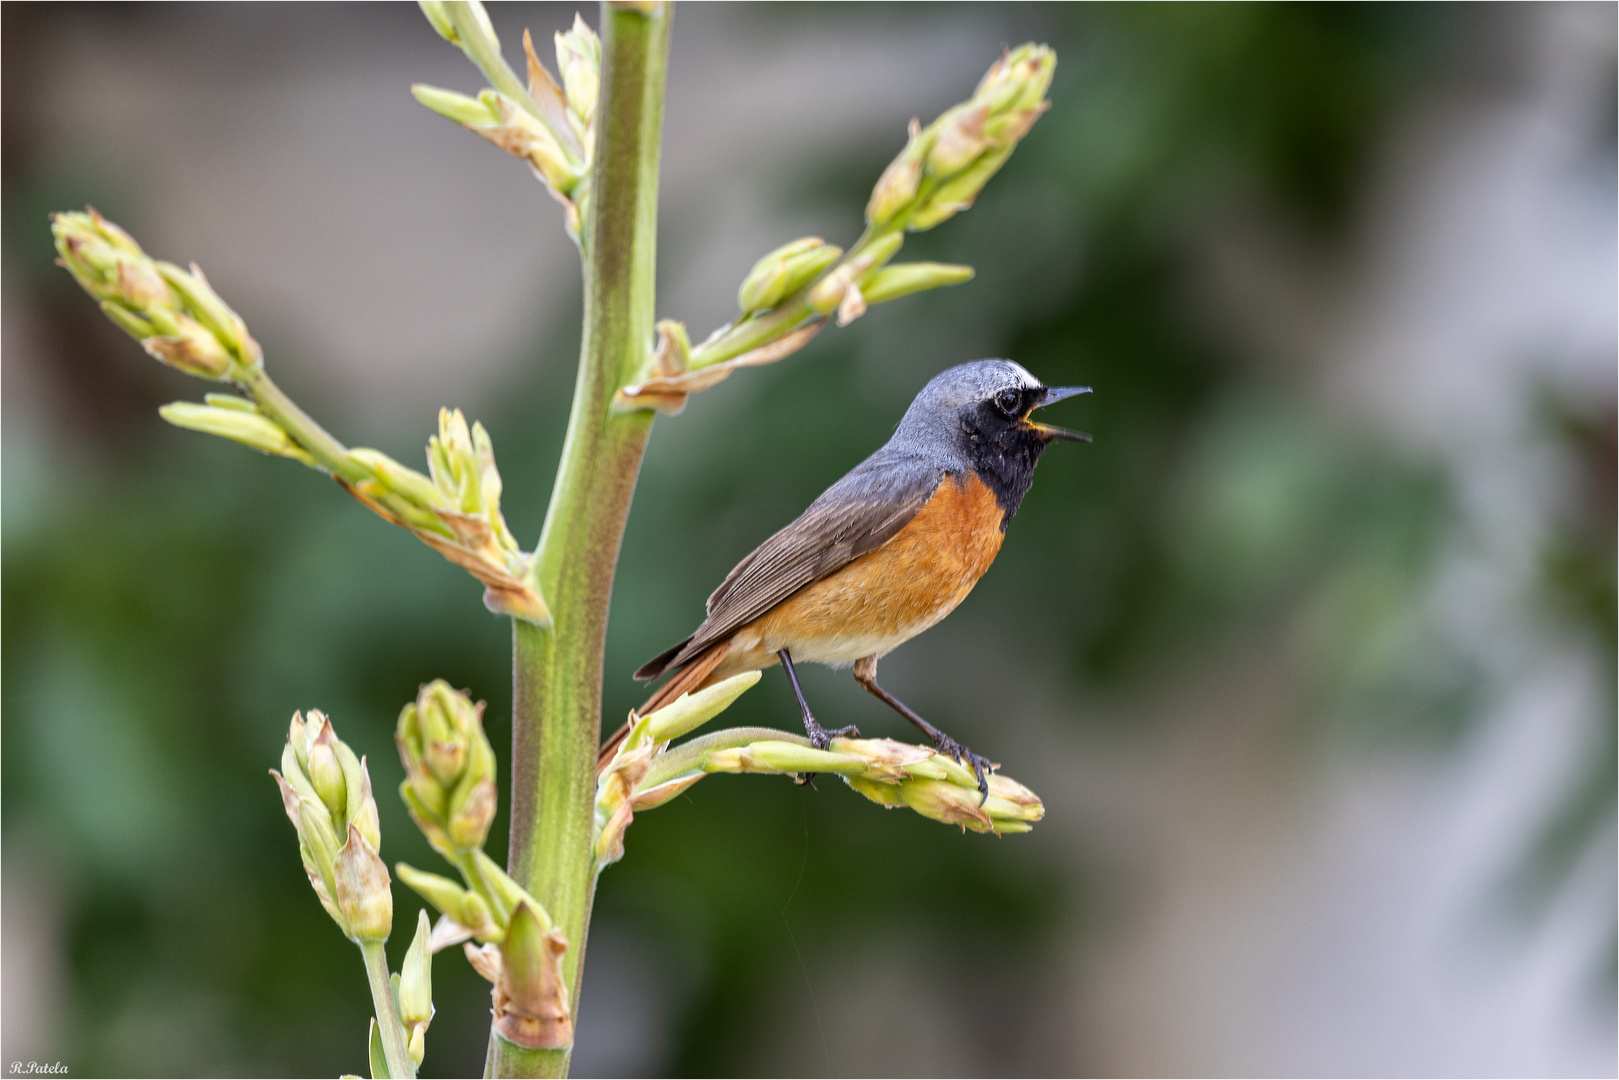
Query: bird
[[881, 555]]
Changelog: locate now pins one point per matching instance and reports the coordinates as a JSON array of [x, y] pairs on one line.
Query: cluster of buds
[[179, 319], [550, 126], [175, 315], [792, 291], [326, 792], [449, 784], [455, 510], [621, 789], [888, 773], [945, 165], [450, 791]]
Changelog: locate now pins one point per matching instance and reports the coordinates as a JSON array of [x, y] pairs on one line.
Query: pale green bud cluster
[[449, 784], [455, 509], [945, 165], [326, 792], [619, 788], [512, 128], [450, 791], [551, 126], [793, 290], [886, 772], [175, 315]]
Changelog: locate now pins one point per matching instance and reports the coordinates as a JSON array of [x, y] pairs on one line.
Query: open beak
[[1051, 431]]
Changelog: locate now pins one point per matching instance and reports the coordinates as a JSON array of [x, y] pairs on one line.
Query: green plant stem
[[557, 670], [689, 756], [382, 1000], [331, 454]]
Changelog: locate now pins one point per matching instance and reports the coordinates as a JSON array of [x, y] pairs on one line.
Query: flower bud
[[325, 772], [363, 893], [828, 293], [246, 426], [689, 712], [897, 186], [959, 140], [959, 193], [440, 19], [449, 767], [579, 61], [326, 793], [193, 351], [175, 314], [460, 906], [893, 282], [784, 271], [1018, 80], [415, 991], [467, 111], [531, 996]]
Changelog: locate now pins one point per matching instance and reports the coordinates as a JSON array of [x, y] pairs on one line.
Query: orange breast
[[887, 596]]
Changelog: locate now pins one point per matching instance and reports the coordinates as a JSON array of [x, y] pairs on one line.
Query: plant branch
[[382, 1000]]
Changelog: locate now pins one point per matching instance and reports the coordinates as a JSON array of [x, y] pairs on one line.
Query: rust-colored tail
[[688, 679]]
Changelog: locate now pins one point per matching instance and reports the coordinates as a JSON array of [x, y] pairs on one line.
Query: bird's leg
[[865, 673], [820, 738]]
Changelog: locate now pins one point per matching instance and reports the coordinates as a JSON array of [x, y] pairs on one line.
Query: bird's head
[[986, 405]]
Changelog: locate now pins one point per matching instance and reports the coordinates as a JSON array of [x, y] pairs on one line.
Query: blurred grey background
[[1311, 655]]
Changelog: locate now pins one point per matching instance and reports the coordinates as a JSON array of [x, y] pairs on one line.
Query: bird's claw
[[980, 765], [821, 739]]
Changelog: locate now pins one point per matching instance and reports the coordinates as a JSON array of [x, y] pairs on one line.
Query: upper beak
[[1051, 431]]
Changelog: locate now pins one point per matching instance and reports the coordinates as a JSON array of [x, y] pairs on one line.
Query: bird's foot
[[981, 766], [821, 739]]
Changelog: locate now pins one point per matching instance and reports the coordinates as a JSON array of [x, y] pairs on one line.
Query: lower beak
[[1051, 431]]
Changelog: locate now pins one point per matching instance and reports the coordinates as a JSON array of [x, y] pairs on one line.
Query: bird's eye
[[1008, 400]]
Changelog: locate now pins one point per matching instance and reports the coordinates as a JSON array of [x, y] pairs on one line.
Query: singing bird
[[884, 553]]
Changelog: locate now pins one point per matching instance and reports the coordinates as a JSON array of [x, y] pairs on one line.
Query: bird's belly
[[887, 596]]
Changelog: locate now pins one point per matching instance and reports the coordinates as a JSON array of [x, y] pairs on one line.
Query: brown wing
[[858, 514]]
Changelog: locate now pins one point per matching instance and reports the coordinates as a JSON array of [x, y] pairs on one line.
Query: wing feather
[[857, 515]]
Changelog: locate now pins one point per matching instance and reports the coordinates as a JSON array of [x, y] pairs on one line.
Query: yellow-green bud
[[689, 712], [897, 186], [416, 988], [326, 773], [467, 111], [579, 61], [893, 282], [1018, 80], [440, 19], [402, 480], [958, 193], [784, 271], [247, 426]]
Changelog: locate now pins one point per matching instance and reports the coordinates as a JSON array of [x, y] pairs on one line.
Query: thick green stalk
[[557, 669], [382, 1000]]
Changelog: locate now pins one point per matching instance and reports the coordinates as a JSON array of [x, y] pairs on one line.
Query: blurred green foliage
[[171, 600]]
